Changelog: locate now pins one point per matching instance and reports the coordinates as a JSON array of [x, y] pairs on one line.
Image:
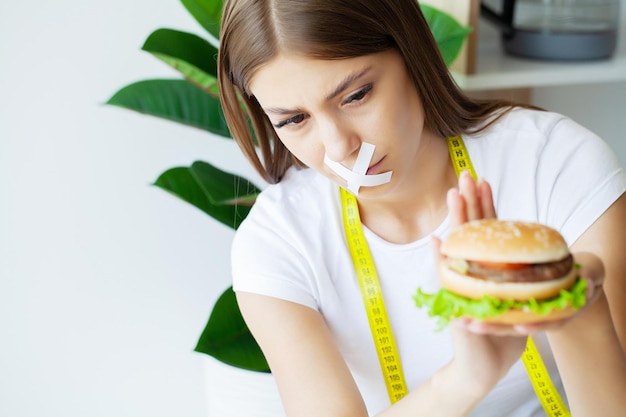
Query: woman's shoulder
[[524, 121], [566, 173], [298, 190], [276, 249], [537, 133]]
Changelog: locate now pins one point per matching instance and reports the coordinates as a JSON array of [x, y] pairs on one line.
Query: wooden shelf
[[496, 70]]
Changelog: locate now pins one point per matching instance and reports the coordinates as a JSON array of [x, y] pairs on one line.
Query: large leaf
[[227, 338], [175, 100], [183, 184], [206, 12], [447, 31], [189, 54], [222, 187]]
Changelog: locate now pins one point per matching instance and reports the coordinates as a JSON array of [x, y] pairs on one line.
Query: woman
[[354, 94]]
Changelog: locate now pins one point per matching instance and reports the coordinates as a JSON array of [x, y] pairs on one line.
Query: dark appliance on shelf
[[562, 30]]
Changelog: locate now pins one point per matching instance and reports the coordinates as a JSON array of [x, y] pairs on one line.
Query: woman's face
[[329, 107]]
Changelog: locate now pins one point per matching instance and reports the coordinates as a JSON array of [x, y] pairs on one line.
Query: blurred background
[[106, 281]]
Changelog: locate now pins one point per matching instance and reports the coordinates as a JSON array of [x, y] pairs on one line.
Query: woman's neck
[[417, 205]]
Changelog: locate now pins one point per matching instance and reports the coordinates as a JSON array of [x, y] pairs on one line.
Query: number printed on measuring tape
[[550, 399], [460, 157]]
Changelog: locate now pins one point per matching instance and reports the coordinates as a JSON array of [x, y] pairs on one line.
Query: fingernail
[[451, 195], [522, 329]]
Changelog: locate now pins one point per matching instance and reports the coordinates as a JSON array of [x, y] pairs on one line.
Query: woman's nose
[[340, 142]]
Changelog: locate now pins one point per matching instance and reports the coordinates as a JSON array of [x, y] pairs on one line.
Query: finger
[[485, 328], [592, 270], [530, 328], [486, 199], [468, 190], [456, 208], [591, 267], [436, 245]]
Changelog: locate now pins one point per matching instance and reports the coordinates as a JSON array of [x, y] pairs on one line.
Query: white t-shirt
[[542, 167]]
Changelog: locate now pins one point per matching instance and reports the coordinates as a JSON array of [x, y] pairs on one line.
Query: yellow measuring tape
[[549, 397], [460, 157], [382, 335], [373, 299]]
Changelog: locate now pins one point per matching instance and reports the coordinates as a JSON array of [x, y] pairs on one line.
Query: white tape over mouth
[[357, 177]]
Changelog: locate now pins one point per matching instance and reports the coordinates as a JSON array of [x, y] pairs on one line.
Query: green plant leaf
[[175, 100], [227, 338], [183, 184], [206, 12], [446, 305], [189, 54], [447, 31], [223, 187]]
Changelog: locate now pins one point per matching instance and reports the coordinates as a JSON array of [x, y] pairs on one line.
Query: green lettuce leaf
[[445, 305]]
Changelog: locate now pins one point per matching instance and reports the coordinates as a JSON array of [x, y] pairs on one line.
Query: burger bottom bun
[[476, 288], [515, 316]]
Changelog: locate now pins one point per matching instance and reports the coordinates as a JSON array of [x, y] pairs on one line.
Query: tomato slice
[[500, 265]]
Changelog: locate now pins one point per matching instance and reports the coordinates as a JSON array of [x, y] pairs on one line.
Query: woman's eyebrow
[[281, 111], [343, 85]]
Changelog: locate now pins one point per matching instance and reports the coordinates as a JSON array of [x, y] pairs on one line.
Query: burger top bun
[[493, 240]]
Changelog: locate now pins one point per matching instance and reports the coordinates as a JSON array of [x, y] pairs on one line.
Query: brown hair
[[255, 31]]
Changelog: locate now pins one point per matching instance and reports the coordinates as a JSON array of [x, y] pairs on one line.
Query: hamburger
[[506, 272]]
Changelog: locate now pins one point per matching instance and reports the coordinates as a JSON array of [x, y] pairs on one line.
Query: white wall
[[105, 281]]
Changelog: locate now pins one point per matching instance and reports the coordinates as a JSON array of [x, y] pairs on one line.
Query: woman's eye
[[359, 95], [294, 120]]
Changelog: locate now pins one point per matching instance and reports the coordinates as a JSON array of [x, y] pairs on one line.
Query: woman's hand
[[471, 201], [483, 359], [479, 357]]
